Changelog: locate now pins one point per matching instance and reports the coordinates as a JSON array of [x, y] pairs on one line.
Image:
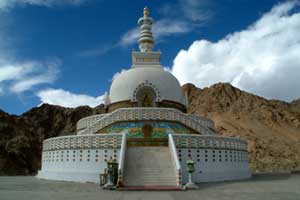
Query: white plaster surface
[[216, 158], [122, 88], [213, 165], [77, 165]]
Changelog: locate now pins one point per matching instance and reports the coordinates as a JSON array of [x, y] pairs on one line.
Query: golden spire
[[146, 12]]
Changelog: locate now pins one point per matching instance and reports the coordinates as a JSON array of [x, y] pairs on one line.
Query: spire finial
[[146, 39], [146, 12]]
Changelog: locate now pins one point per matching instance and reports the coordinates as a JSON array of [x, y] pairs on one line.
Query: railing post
[[174, 155], [122, 160]]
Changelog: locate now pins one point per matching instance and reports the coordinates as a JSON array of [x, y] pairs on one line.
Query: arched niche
[[146, 97]]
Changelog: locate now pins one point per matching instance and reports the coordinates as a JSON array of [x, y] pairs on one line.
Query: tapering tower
[[146, 39], [146, 55]]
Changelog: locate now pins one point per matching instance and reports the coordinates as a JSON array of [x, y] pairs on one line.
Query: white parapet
[[88, 121], [202, 125], [79, 158], [83, 158], [216, 158]]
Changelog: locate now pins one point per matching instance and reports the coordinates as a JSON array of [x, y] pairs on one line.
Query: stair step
[[153, 173], [146, 166], [151, 188], [154, 178], [150, 183]]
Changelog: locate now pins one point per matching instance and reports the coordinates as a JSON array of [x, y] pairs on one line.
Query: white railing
[[209, 141], [203, 120], [122, 159], [112, 140], [175, 159], [88, 121], [133, 114]]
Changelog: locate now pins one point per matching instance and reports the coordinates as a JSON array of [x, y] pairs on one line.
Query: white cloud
[[181, 17], [130, 37], [166, 27], [263, 59], [20, 77], [67, 99], [193, 10], [97, 51], [6, 4], [118, 74], [196, 10], [161, 28]]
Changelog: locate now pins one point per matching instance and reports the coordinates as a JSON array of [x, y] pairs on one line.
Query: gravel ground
[[283, 187]]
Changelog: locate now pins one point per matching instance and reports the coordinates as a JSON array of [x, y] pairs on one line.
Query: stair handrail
[[173, 149], [122, 159]]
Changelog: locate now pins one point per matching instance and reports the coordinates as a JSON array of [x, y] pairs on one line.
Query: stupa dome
[[127, 85]]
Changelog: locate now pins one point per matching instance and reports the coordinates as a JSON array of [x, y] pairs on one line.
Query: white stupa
[[147, 131]]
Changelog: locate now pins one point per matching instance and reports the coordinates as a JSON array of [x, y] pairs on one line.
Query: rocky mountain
[[271, 127], [21, 136]]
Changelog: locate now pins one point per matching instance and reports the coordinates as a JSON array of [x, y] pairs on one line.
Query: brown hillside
[[271, 127], [21, 136]]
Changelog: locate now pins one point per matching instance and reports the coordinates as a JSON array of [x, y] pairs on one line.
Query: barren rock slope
[[271, 127]]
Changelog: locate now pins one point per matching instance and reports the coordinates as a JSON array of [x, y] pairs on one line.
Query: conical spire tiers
[[146, 39], [146, 57]]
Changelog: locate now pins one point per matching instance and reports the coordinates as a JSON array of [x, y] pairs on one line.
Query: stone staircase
[[149, 166]]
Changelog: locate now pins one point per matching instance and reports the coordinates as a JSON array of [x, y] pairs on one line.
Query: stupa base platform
[[150, 188]]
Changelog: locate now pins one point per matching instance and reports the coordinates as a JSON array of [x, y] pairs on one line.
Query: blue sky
[[66, 52]]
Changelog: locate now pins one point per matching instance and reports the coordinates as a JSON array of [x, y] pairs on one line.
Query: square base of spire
[[140, 59]]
